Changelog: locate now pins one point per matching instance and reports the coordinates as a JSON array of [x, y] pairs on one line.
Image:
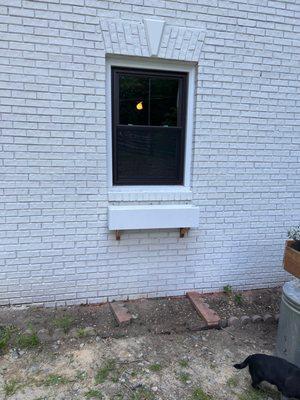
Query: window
[[148, 126]]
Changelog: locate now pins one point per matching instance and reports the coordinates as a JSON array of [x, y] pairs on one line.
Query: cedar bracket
[[183, 232]]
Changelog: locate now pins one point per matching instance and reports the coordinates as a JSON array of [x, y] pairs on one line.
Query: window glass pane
[[148, 153], [164, 94], [148, 127], [134, 96]]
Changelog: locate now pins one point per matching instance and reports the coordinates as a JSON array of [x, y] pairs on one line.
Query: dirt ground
[[187, 366], [237, 304], [156, 357], [166, 315]]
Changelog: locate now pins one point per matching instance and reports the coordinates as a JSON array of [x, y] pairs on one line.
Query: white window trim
[[136, 191]]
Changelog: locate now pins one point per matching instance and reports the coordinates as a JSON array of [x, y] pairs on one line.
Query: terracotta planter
[[291, 259]]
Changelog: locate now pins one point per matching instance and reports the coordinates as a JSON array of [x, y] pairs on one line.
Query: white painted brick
[[55, 247]]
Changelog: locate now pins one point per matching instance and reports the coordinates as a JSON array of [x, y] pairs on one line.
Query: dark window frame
[[182, 116]]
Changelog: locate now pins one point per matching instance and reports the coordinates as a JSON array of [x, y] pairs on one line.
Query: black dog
[[275, 370]]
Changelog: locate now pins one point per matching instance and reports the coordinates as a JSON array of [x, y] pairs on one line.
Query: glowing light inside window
[[139, 106]]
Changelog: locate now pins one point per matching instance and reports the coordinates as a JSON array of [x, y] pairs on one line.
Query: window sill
[[150, 193]]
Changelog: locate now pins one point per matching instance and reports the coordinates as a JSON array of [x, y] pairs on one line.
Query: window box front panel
[[153, 217]]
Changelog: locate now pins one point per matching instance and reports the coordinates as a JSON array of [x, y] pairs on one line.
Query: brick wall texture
[[55, 247]]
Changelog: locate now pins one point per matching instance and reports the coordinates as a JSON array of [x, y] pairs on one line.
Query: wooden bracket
[[183, 232]]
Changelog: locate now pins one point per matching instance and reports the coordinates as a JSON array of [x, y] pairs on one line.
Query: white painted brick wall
[[55, 246]]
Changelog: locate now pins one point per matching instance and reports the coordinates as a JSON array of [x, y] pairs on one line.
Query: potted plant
[[294, 234], [292, 252]]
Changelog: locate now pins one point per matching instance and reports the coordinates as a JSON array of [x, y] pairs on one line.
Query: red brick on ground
[[211, 317], [121, 313]]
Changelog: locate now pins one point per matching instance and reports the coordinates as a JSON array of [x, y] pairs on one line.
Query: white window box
[[152, 217]]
